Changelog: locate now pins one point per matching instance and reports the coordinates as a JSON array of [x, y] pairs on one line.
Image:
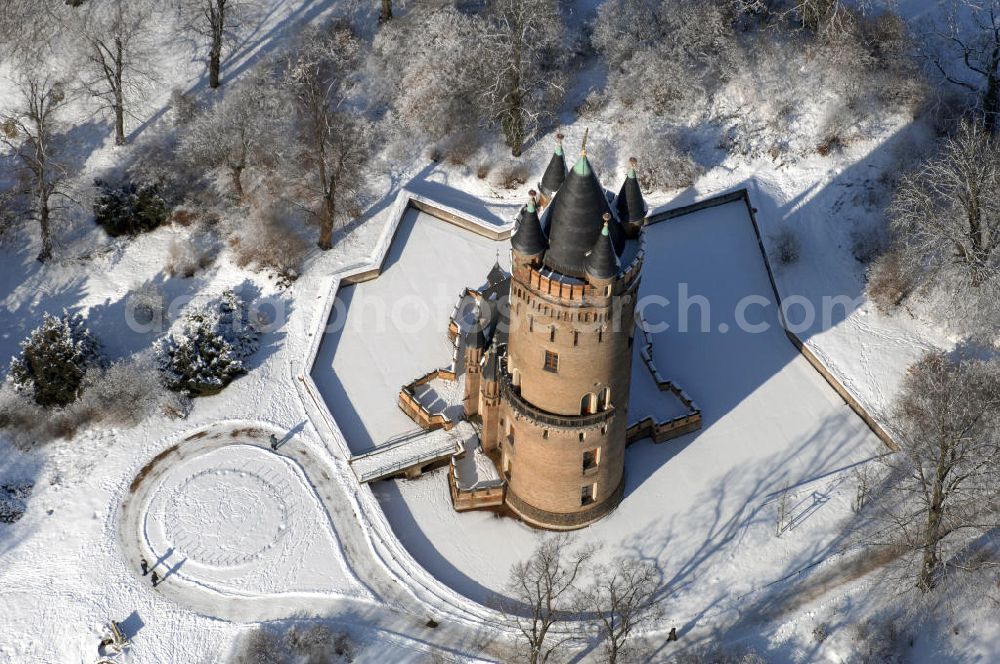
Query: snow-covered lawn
[[704, 507], [242, 519]]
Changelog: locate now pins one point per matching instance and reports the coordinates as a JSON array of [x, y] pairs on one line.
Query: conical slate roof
[[476, 337], [602, 262], [490, 366], [574, 220], [529, 239], [631, 206], [496, 275], [555, 172]]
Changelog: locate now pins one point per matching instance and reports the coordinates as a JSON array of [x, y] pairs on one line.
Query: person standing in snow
[[144, 565], [274, 443], [155, 577]]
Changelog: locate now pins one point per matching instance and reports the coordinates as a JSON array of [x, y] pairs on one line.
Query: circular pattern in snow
[[236, 517], [225, 516]]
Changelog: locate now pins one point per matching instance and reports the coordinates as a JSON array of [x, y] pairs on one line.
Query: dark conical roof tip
[[574, 220], [602, 262], [529, 239], [630, 204], [555, 172]]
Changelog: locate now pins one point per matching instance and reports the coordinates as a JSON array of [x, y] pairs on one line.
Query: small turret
[[555, 172], [602, 262], [490, 366], [630, 204], [475, 345], [529, 240]]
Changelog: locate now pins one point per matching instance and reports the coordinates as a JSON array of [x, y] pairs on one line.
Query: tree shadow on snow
[[689, 545], [255, 46]]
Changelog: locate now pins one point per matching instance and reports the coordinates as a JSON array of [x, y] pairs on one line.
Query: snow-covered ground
[[704, 506], [770, 422], [393, 329], [646, 399], [238, 519], [716, 537]]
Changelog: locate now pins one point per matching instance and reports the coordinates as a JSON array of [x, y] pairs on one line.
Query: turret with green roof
[[555, 172], [630, 204]]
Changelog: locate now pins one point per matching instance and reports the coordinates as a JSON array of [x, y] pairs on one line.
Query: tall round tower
[[565, 372]]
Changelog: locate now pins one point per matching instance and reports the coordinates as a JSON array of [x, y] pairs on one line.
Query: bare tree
[[824, 17], [214, 21], [239, 132], [667, 56], [117, 57], [28, 28], [386, 14], [965, 49], [522, 54], [622, 597], [30, 133], [258, 646], [943, 491], [424, 66], [946, 214], [540, 592], [333, 144]]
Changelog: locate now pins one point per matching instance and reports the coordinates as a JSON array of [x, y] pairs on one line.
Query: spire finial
[[632, 164], [531, 200], [583, 146], [607, 220]]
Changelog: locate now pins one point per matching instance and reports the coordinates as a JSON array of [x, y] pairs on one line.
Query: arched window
[[588, 404], [604, 400]]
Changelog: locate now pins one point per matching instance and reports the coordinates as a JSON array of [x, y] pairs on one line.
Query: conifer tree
[[54, 359], [208, 352]]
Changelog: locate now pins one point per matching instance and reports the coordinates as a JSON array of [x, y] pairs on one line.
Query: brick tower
[[565, 369]]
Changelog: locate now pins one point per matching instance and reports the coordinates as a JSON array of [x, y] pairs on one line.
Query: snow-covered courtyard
[[704, 506], [386, 332]]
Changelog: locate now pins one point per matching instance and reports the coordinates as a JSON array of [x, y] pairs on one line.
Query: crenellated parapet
[[569, 291]]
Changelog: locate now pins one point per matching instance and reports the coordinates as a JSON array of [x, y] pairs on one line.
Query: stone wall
[[678, 426], [416, 411], [463, 500], [564, 521]]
